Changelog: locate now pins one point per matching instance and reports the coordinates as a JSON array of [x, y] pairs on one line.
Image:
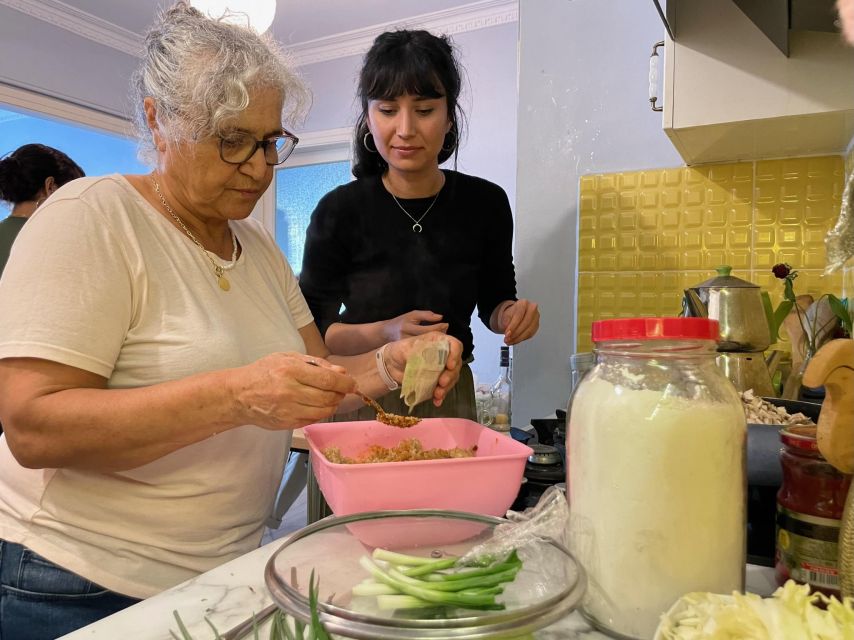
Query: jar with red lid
[[656, 474], [809, 512]]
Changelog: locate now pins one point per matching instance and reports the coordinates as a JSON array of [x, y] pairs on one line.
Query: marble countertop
[[230, 593]]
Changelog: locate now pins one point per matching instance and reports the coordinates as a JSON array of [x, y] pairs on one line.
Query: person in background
[[28, 176], [156, 354], [408, 247]]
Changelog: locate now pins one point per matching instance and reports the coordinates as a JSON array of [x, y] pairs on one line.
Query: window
[[97, 152], [298, 190], [320, 163]]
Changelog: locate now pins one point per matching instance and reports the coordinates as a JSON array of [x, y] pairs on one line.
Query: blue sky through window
[[97, 152]]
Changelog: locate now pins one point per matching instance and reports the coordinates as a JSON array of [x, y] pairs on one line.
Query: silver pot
[[737, 305]]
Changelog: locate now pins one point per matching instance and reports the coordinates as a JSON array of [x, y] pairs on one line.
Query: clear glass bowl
[[548, 587]]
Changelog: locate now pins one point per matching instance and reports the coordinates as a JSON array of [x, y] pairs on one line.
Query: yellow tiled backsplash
[[644, 236]]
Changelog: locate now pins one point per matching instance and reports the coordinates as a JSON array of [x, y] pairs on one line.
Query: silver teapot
[[737, 305]]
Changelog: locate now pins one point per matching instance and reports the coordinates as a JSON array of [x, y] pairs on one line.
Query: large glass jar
[[809, 513], [656, 472]]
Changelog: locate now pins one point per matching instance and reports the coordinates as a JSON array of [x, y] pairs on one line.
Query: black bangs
[[414, 63], [412, 75]]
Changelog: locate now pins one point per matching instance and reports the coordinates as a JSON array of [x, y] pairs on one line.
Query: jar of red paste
[[809, 511]]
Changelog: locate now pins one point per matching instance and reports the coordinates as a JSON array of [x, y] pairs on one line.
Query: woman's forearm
[[364, 369], [353, 339], [58, 416], [117, 429]]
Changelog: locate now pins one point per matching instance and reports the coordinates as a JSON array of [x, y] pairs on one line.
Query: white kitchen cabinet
[[730, 94]]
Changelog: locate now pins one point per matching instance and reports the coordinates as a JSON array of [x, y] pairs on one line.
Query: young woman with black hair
[[408, 247]]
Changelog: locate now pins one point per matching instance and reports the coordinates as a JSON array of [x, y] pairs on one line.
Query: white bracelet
[[385, 376]]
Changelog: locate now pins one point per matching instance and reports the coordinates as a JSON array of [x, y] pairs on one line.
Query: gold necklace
[[219, 269]]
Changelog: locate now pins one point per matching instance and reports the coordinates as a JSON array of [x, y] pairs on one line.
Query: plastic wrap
[[548, 519], [839, 242]]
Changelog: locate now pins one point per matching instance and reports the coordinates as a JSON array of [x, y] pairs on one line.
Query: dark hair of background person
[[23, 172], [417, 63]]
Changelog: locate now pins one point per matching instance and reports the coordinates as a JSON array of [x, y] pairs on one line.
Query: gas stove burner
[[544, 475], [545, 466], [544, 455]]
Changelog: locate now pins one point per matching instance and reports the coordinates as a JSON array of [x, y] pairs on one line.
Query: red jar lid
[[800, 437], [655, 329]]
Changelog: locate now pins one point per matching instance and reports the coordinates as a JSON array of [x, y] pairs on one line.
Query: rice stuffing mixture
[[407, 450]]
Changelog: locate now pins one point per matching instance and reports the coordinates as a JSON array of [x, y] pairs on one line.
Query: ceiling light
[[258, 14]]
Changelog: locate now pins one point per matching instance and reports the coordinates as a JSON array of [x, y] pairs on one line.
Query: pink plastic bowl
[[487, 483]]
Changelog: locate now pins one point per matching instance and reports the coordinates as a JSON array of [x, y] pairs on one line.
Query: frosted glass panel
[[96, 152], [298, 190]]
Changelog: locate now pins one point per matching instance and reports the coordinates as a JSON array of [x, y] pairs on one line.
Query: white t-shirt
[[99, 280]]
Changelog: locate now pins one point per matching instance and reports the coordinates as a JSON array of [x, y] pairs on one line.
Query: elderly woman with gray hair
[[156, 354]]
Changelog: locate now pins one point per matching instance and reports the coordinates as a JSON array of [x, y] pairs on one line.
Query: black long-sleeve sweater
[[361, 251]]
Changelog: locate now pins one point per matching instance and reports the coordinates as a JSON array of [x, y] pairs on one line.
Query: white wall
[[40, 57], [583, 108], [490, 58]]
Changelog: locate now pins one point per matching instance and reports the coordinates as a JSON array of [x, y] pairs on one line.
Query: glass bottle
[[656, 472], [501, 393]]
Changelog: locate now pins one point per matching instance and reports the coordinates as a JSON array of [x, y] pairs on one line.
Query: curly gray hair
[[200, 73]]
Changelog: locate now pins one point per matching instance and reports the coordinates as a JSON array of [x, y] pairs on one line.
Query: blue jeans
[[42, 601]]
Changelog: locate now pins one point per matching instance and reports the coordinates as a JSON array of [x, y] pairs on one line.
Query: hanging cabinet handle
[[653, 76]]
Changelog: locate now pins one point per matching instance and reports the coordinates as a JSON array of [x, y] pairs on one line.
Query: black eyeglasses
[[237, 148]]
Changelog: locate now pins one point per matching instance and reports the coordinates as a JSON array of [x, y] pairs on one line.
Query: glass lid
[[545, 583]]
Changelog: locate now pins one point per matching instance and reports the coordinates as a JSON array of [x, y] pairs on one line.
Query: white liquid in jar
[[656, 491]]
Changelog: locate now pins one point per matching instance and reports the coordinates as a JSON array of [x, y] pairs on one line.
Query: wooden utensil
[[833, 367]]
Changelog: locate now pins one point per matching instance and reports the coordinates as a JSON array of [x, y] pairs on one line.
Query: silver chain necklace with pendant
[[417, 228], [219, 269]]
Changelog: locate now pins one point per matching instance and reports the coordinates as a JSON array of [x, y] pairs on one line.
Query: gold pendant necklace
[[219, 269]]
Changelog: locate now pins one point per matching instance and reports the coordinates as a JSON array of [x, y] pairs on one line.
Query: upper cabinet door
[[667, 12], [730, 94]]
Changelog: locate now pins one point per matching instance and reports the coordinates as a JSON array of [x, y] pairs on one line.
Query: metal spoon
[[371, 403], [390, 419]]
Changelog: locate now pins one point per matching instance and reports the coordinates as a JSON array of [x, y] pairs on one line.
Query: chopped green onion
[[457, 585], [402, 581], [400, 558], [427, 593], [317, 630], [398, 601], [183, 629], [426, 568], [372, 588]]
